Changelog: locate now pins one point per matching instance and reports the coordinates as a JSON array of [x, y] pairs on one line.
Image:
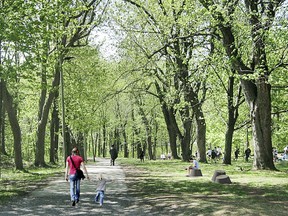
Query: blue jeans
[[74, 188], [101, 195]]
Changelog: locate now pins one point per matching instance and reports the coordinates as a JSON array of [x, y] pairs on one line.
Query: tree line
[[189, 75]]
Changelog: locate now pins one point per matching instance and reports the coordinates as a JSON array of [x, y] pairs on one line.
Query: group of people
[[73, 164], [281, 157], [214, 154]]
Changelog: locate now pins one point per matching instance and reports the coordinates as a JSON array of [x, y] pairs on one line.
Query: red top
[[77, 161]]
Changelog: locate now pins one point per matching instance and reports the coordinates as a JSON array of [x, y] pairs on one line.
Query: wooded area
[[186, 76]]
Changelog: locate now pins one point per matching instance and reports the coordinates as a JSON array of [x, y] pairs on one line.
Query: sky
[[104, 38]]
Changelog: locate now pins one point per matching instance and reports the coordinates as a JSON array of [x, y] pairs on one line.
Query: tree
[[75, 24], [254, 78], [12, 114], [175, 36]]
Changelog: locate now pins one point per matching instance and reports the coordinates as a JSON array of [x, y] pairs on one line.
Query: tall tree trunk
[[94, 144], [200, 132], [186, 138], [168, 114], [12, 114], [136, 145], [3, 128], [147, 129], [104, 140], [260, 113], [232, 118], [41, 129], [257, 94], [2, 118], [200, 125], [155, 140], [2, 110], [231, 122], [126, 152], [117, 140], [228, 143], [80, 143], [54, 131], [52, 137], [98, 142], [70, 142], [56, 135]]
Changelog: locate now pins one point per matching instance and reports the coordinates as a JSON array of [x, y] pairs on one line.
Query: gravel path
[[54, 199]]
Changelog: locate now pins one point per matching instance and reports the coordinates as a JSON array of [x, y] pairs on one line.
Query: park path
[[54, 199]]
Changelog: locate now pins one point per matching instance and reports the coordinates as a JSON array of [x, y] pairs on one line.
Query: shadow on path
[[54, 199]]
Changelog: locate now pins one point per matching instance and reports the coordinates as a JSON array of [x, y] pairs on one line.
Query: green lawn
[[164, 187], [163, 184]]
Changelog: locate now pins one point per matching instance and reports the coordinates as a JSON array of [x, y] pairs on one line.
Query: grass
[[17, 183], [163, 184]]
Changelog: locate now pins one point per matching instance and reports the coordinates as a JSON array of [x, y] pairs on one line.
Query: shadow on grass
[[208, 198]]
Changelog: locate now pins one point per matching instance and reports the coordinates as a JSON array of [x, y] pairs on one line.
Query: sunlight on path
[[55, 199]]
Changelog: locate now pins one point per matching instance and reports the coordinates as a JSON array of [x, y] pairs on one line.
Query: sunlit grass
[[167, 178]]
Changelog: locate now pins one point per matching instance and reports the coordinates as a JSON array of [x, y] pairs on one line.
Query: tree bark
[[94, 144], [2, 119], [98, 143], [200, 132], [80, 144], [260, 113], [232, 118], [54, 133], [200, 125], [147, 128], [186, 138], [12, 114], [168, 114], [104, 140], [126, 152], [41, 129]]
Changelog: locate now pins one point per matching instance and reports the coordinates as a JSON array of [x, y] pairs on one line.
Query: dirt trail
[[54, 199]]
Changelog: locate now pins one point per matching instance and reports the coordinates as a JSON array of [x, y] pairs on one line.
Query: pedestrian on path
[[141, 156], [100, 190], [113, 155], [74, 162]]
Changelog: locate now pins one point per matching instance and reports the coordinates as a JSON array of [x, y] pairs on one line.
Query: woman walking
[[73, 162]]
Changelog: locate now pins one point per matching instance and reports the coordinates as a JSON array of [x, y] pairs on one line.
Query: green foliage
[[87, 80], [99, 91]]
